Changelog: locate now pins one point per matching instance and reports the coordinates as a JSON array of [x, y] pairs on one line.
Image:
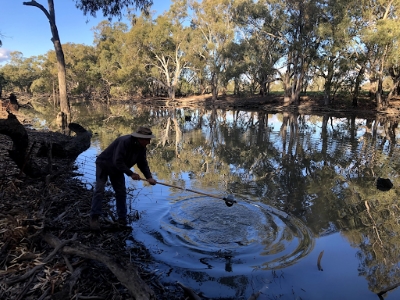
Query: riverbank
[[47, 250], [312, 103]]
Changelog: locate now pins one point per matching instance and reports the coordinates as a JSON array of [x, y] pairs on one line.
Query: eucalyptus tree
[[109, 40], [81, 78], [165, 46], [263, 48], [213, 25], [47, 82], [261, 58], [394, 72], [380, 35], [236, 67], [337, 32], [393, 69], [108, 8], [20, 72], [302, 42], [293, 25], [82, 74]]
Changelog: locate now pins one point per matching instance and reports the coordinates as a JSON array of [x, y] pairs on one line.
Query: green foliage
[[110, 8], [82, 74], [20, 72], [40, 86], [234, 46]]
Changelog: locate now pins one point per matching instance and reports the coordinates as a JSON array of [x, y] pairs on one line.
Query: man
[[114, 162]]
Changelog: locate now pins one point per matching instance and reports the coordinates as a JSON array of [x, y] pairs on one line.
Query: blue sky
[[26, 28]]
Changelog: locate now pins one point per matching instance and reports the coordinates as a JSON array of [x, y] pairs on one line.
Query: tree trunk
[[236, 89], [378, 95], [378, 98], [357, 86], [395, 90], [296, 89], [263, 88], [214, 86], [286, 89], [62, 82], [171, 92]]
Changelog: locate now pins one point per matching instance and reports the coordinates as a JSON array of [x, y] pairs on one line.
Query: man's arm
[[120, 152], [143, 165]]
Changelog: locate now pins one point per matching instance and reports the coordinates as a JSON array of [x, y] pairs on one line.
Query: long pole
[[228, 201]]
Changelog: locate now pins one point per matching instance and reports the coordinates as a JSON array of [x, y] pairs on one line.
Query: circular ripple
[[271, 238]]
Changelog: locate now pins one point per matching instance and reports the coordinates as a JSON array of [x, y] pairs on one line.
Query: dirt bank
[[47, 250]]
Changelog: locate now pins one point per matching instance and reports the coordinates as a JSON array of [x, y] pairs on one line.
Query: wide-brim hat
[[143, 133]]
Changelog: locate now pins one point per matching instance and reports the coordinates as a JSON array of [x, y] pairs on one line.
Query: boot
[[94, 223]]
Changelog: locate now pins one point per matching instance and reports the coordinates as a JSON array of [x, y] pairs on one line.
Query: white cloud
[[4, 54]]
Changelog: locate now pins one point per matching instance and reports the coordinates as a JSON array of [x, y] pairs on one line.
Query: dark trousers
[[117, 180]]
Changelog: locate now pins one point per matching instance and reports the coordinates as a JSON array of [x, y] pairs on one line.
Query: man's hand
[[152, 181], [135, 176]]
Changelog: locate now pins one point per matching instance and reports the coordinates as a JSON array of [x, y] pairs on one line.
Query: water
[[303, 184]]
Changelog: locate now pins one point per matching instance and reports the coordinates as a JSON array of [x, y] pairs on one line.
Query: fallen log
[[68, 148], [127, 274], [52, 145]]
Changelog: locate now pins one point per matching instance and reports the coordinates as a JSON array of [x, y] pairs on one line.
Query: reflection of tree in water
[[239, 284], [321, 169], [372, 219], [337, 179], [374, 229]]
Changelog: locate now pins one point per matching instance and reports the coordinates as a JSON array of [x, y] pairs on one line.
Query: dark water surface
[[303, 184]]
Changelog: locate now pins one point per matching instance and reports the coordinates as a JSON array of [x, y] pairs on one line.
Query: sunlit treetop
[[111, 8]]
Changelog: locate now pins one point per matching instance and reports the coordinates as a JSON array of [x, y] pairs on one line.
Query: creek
[[309, 222]]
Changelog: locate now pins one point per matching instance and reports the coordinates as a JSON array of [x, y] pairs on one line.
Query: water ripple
[[256, 235]]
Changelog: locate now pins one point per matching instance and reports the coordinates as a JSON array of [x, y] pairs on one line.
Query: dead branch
[[127, 275], [38, 267], [66, 292]]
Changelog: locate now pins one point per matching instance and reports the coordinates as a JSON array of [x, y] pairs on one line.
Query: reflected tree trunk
[[178, 136], [324, 136], [283, 132]]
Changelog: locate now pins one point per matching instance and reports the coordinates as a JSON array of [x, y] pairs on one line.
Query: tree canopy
[[110, 8], [243, 47]]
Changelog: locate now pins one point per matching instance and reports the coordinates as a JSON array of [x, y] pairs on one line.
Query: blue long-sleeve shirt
[[123, 153]]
